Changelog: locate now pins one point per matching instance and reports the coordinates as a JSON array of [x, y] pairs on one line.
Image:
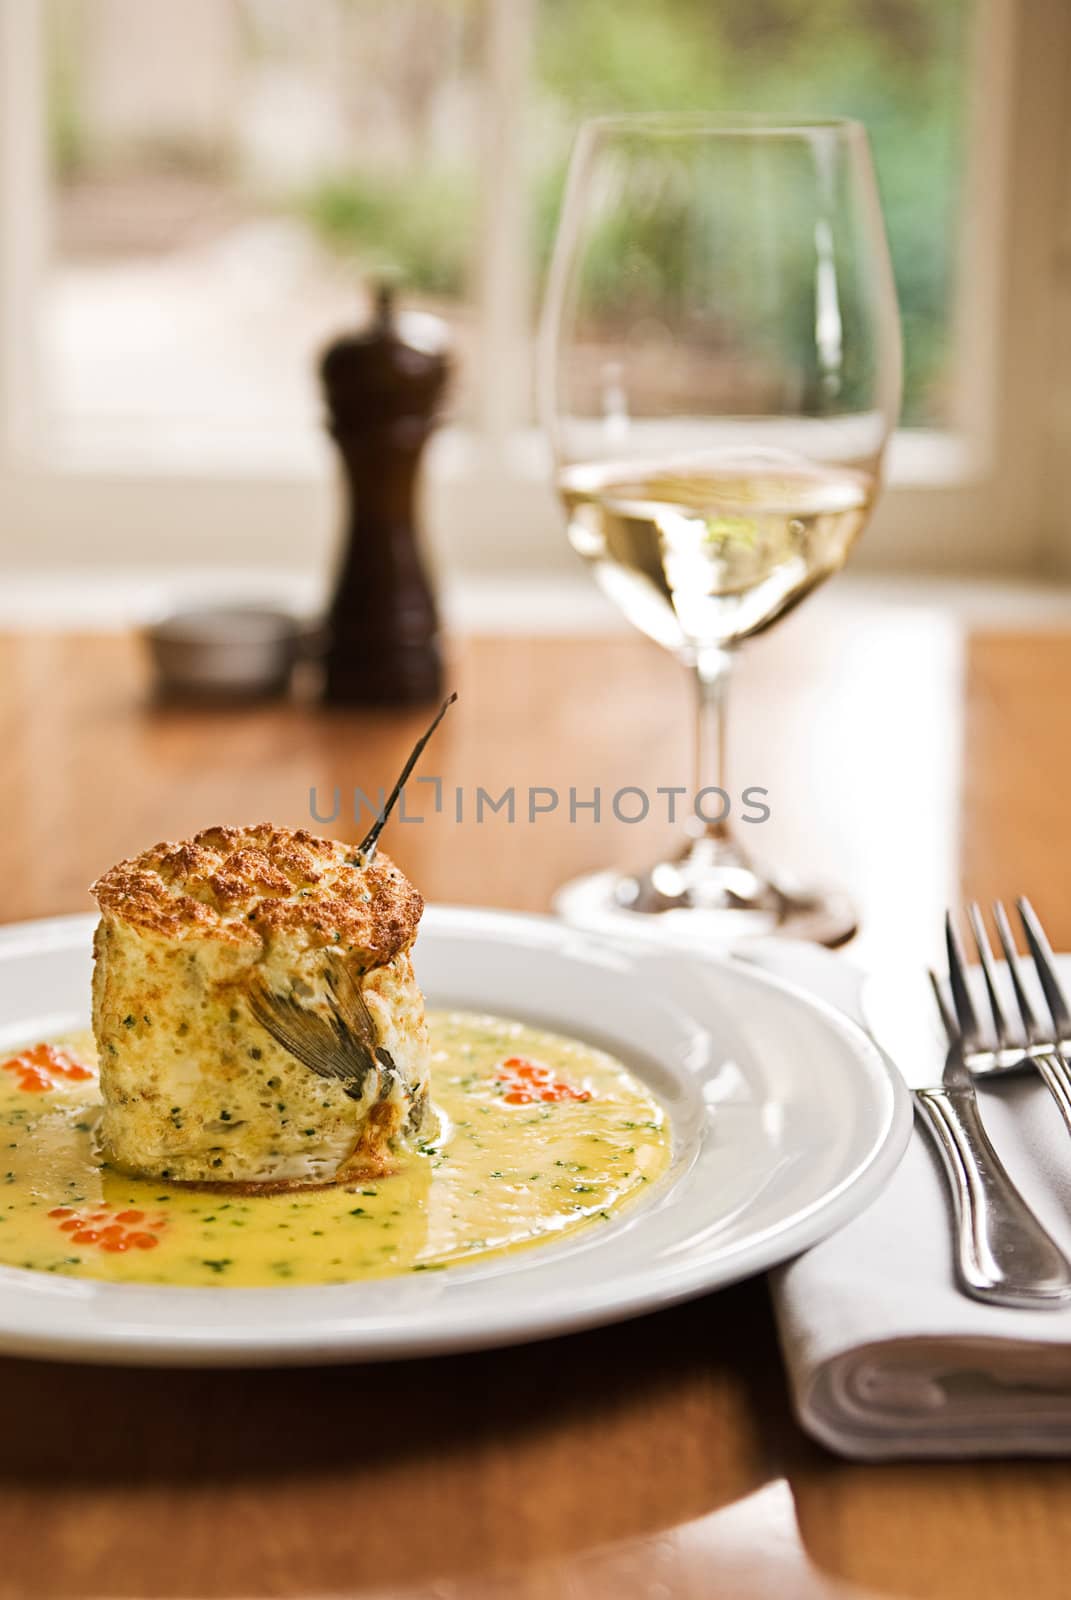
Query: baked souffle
[[212, 956]]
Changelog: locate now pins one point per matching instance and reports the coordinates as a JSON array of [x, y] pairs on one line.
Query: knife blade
[[901, 1014]]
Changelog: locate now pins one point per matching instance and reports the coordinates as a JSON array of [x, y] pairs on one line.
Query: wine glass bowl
[[710, 549], [719, 376]]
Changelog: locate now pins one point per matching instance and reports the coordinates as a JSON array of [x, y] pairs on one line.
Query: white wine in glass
[[719, 376]]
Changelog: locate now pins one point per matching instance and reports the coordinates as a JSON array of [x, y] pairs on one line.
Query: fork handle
[[1053, 1069], [1003, 1254]]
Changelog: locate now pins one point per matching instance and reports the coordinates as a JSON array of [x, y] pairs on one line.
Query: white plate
[[785, 1122]]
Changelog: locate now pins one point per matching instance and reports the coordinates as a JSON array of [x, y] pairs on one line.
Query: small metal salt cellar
[[383, 386]]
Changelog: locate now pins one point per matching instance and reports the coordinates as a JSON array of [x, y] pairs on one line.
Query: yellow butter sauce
[[514, 1165]]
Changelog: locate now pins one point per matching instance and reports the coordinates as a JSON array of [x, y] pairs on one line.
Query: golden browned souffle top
[[262, 883]]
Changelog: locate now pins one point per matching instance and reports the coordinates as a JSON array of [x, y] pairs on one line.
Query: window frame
[[951, 496]]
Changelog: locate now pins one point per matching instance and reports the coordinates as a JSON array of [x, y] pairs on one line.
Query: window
[[193, 195], [225, 179], [899, 66]]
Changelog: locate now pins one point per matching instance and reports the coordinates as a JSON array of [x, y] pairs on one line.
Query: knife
[[1003, 1254]]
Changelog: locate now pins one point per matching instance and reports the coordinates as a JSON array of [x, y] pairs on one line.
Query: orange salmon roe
[[43, 1067], [527, 1082], [124, 1230]]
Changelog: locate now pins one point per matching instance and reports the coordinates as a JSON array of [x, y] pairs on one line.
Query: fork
[[1004, 1255], [1018, 1043]]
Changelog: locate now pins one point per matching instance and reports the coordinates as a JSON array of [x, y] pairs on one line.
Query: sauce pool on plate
[[542, 1136]]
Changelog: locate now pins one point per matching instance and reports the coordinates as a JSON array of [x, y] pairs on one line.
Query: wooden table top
[[657, 1458]]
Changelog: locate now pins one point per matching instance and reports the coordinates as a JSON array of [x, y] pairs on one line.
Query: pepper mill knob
[[383, 393]]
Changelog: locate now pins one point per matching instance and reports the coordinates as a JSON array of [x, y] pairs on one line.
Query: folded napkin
[[885, 1357]]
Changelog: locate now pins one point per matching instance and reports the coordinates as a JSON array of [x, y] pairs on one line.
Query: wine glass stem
[[712, 668]]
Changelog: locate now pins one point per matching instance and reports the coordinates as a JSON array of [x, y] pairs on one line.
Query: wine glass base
[[723, 914]]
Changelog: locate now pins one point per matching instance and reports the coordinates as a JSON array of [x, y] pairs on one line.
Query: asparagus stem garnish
[[367, 847]]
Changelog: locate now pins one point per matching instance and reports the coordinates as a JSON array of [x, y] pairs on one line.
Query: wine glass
[[719, 373]]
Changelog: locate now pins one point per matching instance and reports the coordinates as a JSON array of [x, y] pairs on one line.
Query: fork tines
[[1016, 1034]]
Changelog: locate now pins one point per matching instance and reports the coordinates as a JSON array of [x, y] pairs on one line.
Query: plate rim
[[606, 1300]]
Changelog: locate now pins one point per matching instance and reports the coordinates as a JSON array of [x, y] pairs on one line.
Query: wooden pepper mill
[[383, 627]]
